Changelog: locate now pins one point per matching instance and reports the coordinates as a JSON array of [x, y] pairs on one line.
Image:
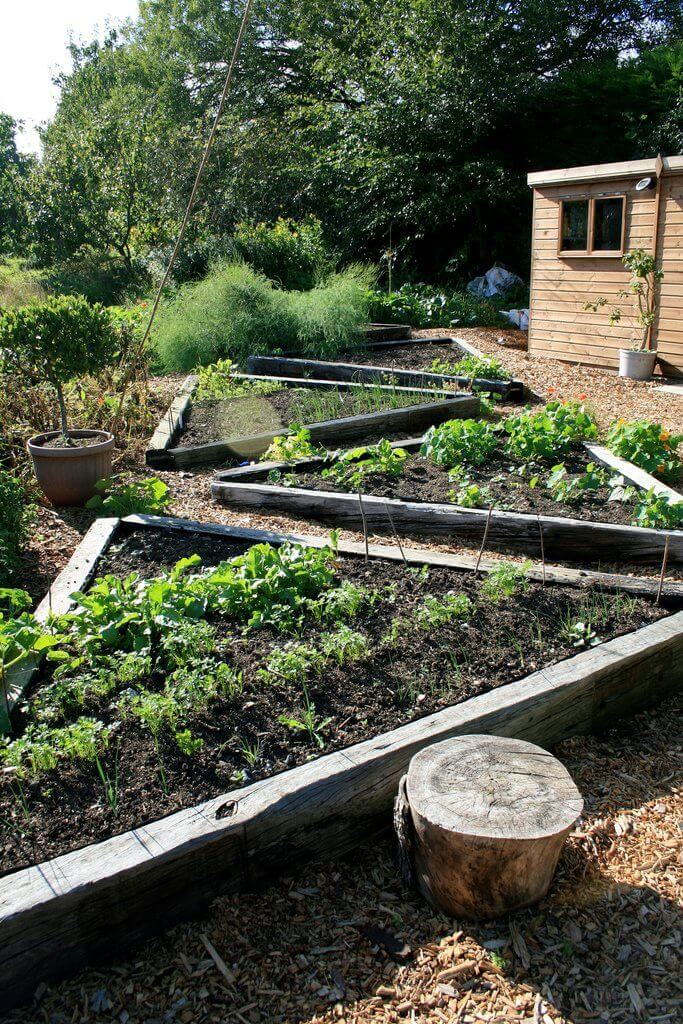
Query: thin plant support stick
[[661, 575], [540, 534], [395, 533], [365, 526], [483, 542], [137, 352]]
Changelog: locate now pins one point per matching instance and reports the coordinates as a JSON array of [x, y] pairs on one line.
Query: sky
[[34, 35]]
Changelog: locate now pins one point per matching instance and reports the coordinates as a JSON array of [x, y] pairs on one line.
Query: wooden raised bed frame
[[386, 332], [588, 541], [511, 390], [59, 915], [438, 407]]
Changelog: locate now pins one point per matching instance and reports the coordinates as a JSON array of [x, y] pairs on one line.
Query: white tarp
[[495, 281], [518, 317]]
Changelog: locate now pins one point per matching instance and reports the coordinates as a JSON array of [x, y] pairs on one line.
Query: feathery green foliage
[[235, 311]]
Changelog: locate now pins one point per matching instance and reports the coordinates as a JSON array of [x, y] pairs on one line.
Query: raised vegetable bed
[[407, 362], [386, 332], [235, 429], [422, 499], [487, 652]]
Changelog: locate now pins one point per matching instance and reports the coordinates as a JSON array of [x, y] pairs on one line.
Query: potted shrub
[[638, 361], [54, 342]]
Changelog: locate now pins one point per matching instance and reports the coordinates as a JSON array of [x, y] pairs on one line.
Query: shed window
[[575, 225], [592, 226], [608, 219]]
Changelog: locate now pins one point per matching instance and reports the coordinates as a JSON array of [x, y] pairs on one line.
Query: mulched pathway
[[345, 943], [609, 397]]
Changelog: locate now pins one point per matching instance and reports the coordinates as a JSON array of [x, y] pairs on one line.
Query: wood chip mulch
[[608, 396], [347, 943]]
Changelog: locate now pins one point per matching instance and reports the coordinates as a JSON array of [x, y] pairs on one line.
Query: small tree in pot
[[54, 342], [638, 361]]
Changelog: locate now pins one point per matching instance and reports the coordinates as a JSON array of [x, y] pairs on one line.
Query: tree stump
[[482, 821]]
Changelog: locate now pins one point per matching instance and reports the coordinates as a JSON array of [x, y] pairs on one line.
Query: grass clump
[[236, 311], [19, 284], [229, 314], [328, 318]]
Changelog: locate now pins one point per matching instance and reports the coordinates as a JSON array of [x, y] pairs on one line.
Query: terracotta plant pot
[[636, 365], [67, 476]]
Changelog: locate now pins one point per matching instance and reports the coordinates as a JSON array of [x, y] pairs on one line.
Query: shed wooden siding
[[560, 327]]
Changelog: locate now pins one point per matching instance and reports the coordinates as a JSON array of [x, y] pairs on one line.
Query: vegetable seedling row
[[83, 905]]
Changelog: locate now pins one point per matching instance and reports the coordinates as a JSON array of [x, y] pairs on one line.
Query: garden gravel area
[[345, 943], [609, 397]]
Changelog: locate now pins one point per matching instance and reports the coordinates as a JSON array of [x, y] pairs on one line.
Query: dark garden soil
[[73, 442], [405, 357], [502, 483], [226, 419], [427, 669]]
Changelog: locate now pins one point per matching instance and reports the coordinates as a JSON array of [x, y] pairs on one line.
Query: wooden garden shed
[[584, 220]]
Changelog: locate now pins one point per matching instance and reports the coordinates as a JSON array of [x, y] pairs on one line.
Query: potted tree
[[54, 342], [638, 361]]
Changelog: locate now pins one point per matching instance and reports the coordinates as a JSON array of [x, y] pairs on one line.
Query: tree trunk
[[62, 409], [488, 819]]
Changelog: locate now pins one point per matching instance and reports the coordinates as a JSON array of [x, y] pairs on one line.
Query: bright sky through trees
[[34, 35]]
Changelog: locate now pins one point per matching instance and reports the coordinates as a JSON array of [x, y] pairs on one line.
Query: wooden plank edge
[[367, 373], [562, 537], [172, 420], [329, 384], [57, 601], [562, 575], [386, 332], [371, 344], [59, 915], [634, 474], [638, 477]]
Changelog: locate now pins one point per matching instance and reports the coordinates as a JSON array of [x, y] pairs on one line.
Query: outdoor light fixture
[[644, 184]]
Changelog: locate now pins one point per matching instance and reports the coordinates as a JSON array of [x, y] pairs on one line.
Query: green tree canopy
[[423, 115], [14, 169]]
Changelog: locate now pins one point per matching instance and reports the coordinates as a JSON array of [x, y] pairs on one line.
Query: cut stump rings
[[481, 822]]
